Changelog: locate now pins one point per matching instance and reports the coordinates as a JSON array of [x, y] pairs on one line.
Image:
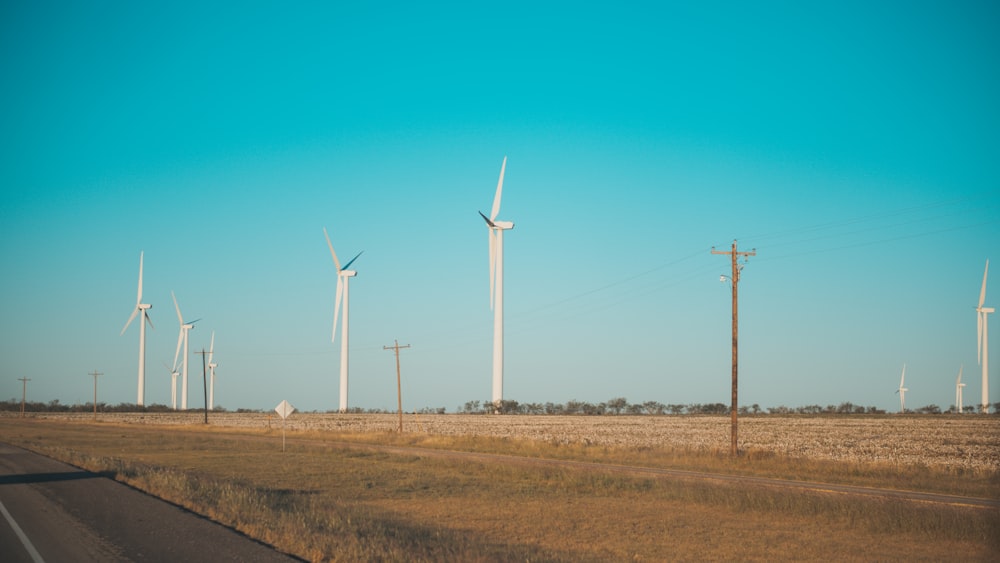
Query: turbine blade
[[180, 319], [134, 313], [496, 198], [180, 339], [336, 307], [959, 380], [487, 219], [351, 261], [149, 321], [982, 292], [903, 377], [211, 348], [138, 298], [332, 253]]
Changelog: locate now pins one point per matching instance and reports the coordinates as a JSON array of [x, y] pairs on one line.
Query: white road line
[[20, 535]]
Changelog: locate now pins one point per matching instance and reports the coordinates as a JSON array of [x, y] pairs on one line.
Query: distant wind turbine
[[983, 340], [496, 229], [958, 389], [144, 309], [183, 337], [211, 372], [173, 384], [344, 274], [902, 391]]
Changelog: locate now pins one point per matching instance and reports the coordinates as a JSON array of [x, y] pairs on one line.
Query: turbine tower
[[902, 391], [344, 274], [496, 229], [144, 308], [211, 372], [183, 337], [983, 340], [958, 390]]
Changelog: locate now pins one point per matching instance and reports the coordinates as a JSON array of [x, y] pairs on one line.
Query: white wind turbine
[[211, 372], [496, 229], [902, 391], [343, 277], [958, 390], [144, 308], [983, 340], [183, 337], [173, 384]]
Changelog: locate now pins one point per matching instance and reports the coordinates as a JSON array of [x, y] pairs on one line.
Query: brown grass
[[327, 502]]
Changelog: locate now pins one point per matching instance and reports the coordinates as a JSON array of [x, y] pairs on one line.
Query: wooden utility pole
[[95, 374], [24, 392], [399, 387], [204, 383], [735, 279]]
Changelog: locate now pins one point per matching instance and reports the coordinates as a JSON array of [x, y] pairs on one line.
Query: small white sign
[[284, 409]]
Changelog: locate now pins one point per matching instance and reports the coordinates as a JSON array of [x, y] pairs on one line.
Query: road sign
[[284, 409]]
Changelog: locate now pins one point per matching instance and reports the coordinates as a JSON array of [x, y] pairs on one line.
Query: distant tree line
[[612, 407], [621, 406], [55, 406]]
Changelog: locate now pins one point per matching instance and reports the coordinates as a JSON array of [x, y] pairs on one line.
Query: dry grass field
[[331, 497], [966, 442]]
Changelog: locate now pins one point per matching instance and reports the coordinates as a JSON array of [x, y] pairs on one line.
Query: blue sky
[[853, 145]]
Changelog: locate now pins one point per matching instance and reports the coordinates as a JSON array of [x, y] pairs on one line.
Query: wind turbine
[[344, 274], [902, 391], [173, 384], [211, 371], [144, 308], [496, 229], [958, 389], [183, 337], [983, 340]]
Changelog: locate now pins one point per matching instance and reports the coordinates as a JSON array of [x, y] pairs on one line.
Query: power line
[[875, 242]]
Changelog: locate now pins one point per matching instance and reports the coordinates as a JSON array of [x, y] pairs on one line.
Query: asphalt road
[[50, 511]]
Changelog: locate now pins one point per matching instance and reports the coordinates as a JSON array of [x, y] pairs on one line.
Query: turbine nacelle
[[347, 273], [499, 225]]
